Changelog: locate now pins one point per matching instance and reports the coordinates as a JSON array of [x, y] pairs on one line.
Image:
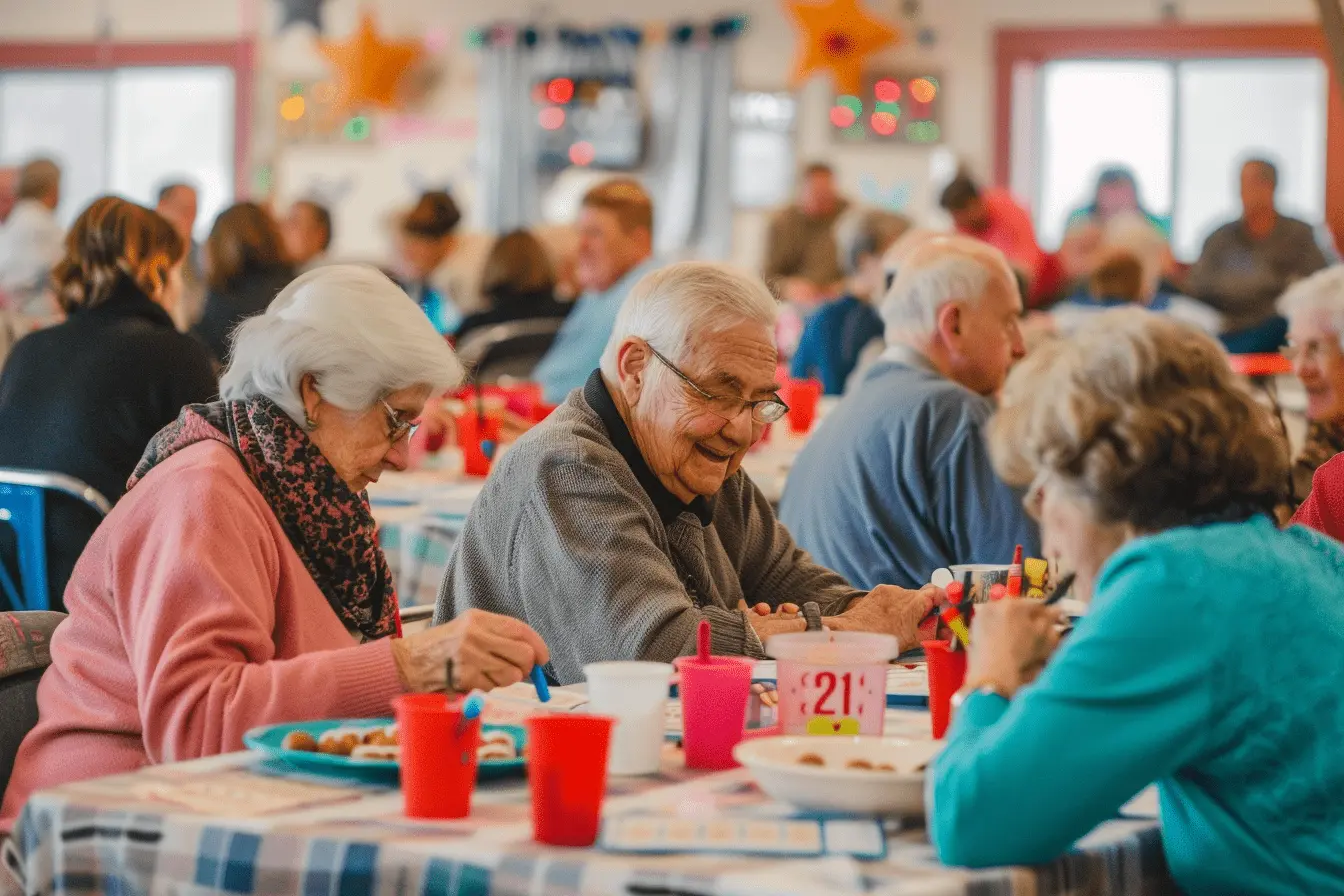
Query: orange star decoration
[[838, 35], [368, 68]]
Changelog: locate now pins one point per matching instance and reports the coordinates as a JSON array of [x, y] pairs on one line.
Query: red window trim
[[235, 55], [1014, 46]]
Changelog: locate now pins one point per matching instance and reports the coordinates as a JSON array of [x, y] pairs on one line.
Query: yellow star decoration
[[838, 35], [368, 68]]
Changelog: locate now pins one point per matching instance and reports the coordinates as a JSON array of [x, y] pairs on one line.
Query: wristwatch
[[812, 613], [961, 696]]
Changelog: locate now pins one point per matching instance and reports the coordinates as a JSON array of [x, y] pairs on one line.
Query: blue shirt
[[833, 338], [1209, 663], [897, 481], [577, 350]]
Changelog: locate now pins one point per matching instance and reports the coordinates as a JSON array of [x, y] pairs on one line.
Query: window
[[1183, 127], [125, 131]]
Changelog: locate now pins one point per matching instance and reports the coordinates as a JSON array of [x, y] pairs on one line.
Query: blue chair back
[[23, 506]]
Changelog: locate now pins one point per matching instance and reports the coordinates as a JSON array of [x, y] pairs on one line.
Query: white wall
[[963, 53]]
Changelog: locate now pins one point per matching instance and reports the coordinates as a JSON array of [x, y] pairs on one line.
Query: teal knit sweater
[[1210, 662]]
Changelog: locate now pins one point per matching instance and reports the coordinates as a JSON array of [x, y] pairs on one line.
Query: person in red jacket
[[1324, 508]]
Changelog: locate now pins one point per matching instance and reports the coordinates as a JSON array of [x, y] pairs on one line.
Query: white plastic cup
[[635, 694]]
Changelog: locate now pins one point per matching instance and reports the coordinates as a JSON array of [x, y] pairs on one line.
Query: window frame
[[238, 56], [1019, 53]]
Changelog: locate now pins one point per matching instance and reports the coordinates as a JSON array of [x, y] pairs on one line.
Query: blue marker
[[539, 679]]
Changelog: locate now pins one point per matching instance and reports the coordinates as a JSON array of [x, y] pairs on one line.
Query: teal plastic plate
[[268, 740]]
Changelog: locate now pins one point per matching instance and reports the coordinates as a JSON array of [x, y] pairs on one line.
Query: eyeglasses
[[766, 410], [398, 428]]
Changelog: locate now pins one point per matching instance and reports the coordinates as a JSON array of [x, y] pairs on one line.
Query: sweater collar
[[129, 300], [906, 356], [668, 505]]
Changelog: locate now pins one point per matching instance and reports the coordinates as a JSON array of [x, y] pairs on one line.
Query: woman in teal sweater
[[1209, 659]]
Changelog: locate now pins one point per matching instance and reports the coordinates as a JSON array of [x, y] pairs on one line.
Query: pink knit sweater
[[192, 620]]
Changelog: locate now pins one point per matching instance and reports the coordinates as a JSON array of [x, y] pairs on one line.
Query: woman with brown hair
[[519, 283], [84, 397], [245, 267]]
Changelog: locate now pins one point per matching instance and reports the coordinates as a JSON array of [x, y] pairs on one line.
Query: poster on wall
[[762, 148], [892, 107]]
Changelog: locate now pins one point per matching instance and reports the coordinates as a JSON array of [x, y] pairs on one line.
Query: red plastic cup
[[469, 437], [714, 708], [801, 396], [438, 763], [567, 773], [947, 673]]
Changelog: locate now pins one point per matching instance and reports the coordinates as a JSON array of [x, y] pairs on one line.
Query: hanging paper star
[[368, 68], [302, 11], [838, 36]]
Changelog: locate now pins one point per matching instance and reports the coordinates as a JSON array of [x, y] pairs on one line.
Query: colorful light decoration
[[552, 118], [560, 91], [582, 153], [923, 90], [923, 132], [292, 108], [883, 123], [887, 91], [357, 128], [842, 117], [846, 111]]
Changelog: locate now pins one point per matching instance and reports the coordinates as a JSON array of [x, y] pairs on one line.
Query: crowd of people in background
[[991, 394]]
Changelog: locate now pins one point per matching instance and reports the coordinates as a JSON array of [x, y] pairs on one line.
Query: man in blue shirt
[[615, 244], [897, 481]]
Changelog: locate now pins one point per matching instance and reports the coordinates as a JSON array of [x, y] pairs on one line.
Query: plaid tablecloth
[[179, 829]]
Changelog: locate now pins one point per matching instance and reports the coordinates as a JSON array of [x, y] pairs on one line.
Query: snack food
[[861, 764], [300, 740], [811, 759], [378, 753]]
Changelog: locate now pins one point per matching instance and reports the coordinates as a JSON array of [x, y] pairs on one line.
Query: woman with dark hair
[[425, 240], [84, 397], [1116, 193], [518, 282], [246, 266]]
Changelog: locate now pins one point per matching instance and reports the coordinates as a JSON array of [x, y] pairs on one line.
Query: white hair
[[938, 270], [1322, 292], [353, 329], [683, 303]]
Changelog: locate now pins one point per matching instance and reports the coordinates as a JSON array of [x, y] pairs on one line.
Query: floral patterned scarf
[[330, 526]]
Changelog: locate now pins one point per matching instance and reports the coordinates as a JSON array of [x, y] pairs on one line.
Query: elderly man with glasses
[[624, 520]]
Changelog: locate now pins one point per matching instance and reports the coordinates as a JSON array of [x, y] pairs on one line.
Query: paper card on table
[[239, 793], [744, 835], [517, 703]]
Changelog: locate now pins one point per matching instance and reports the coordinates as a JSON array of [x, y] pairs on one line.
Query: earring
[[309, 424]]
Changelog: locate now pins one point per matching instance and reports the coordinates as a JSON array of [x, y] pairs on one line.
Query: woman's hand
[[487, 651], [889, 610], [1011, 640]]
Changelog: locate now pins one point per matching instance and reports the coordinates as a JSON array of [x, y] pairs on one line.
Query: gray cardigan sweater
[[575, 535]]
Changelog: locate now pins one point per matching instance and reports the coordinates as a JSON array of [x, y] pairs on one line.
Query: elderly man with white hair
[[1314, 308], [239, 582], [897, 481], [621, 522]]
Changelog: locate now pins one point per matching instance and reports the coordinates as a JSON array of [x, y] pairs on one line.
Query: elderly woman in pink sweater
[[239, 582]]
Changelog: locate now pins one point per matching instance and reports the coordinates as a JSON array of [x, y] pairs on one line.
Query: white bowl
[[833, 787]]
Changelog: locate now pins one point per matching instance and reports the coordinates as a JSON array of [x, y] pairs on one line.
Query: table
[[162, 830]]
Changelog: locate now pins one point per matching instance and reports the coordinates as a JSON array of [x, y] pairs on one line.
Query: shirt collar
[[668, 505], [622, 286], [909, 357]]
